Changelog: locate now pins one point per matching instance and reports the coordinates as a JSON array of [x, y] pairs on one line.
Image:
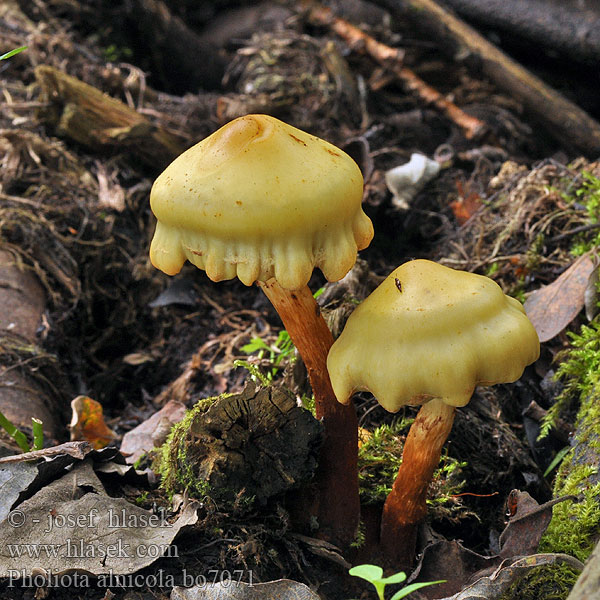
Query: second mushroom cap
[[429, 331]]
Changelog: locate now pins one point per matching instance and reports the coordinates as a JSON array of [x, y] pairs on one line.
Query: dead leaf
[[282, 589], [554, 306], [527, 523], [508, 574], [468, 203], [73, 525], [143, 438], [451, 561], [87, 423]]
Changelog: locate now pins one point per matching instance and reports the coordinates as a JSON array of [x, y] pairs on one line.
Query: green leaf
[[12, 52], [556, 460], [409, 589], [369, 572], [397, 578]]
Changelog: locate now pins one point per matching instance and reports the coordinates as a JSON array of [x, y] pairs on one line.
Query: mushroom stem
[[337, 476], [406, 505]]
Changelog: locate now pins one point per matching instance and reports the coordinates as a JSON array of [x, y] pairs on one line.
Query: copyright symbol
[[16, 518]]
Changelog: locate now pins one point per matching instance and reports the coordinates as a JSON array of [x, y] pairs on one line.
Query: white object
[[405, 181]]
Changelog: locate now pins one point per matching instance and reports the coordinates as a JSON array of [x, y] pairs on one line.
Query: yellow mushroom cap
[[429, 331], [260, 199]]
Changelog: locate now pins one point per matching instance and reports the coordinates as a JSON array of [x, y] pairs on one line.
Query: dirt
[[74, 211]]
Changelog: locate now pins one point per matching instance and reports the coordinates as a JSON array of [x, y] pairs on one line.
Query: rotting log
[[23, 394], [252, 445], [588, 584], [90, 117], [565, 121], [567, 28]]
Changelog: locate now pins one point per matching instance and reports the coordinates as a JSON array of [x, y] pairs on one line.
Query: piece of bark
[[258, 443], [22, 302], [86, 115], [567, 28], [588, 584], [565, 121]]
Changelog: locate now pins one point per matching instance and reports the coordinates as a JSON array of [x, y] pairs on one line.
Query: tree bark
[[22, 393]]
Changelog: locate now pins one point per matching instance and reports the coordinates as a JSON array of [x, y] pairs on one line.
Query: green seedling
[[20, 438], [276, 354], [374, 575], [11, 53]]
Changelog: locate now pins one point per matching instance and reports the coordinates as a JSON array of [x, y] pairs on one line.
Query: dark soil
[[77, 215]]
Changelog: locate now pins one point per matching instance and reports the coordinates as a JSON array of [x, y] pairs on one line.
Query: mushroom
[[427, 336], [266, 202]]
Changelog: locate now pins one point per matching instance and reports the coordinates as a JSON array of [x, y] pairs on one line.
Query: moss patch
[[379, 458], [575, 527], [550, 582]]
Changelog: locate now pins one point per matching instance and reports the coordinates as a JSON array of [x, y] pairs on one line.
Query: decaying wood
[[86, 115], [259, 443], [22, 302], [588, 584], [567, 28], [565, 121], [391, 58]]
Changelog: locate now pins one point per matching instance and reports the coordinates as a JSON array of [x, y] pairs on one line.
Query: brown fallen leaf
[[467, 204], [282, 589], [527, 522], [87, 423], [552, 307], [146, 436]]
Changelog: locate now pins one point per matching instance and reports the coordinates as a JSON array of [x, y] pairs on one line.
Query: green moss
[[379, 459], [588, 194], [171, 459], [548, 582], [575, 526]]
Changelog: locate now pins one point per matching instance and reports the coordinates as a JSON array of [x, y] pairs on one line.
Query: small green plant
[[20, 438], [276, 354], [374, 575], [588, 195], [11, 53]]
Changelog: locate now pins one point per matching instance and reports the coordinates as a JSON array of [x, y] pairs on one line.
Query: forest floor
[[104, 97]]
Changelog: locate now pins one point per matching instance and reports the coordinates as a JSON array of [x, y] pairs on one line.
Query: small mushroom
[[427, 336], [266, 202]]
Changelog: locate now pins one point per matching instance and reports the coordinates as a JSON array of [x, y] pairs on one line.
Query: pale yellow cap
[[260, 199], [429, 331]]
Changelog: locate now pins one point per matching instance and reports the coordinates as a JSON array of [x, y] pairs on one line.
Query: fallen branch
[[565, 121], [83, 113], [569, 29], [23, 395], [391, 58]]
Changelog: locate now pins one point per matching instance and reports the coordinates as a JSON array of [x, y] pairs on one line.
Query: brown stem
[[406, 505], [337, 475]]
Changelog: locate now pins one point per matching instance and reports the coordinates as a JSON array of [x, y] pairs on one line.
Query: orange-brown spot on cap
[[297, 139], [332, 152]]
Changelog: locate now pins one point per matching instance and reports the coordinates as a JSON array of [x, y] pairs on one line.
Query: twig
[[391, 58], [564, 120]]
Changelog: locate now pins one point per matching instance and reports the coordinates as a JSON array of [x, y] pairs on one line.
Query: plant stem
[[38, 434], [15, 433], [337, 475], [406, 504]]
